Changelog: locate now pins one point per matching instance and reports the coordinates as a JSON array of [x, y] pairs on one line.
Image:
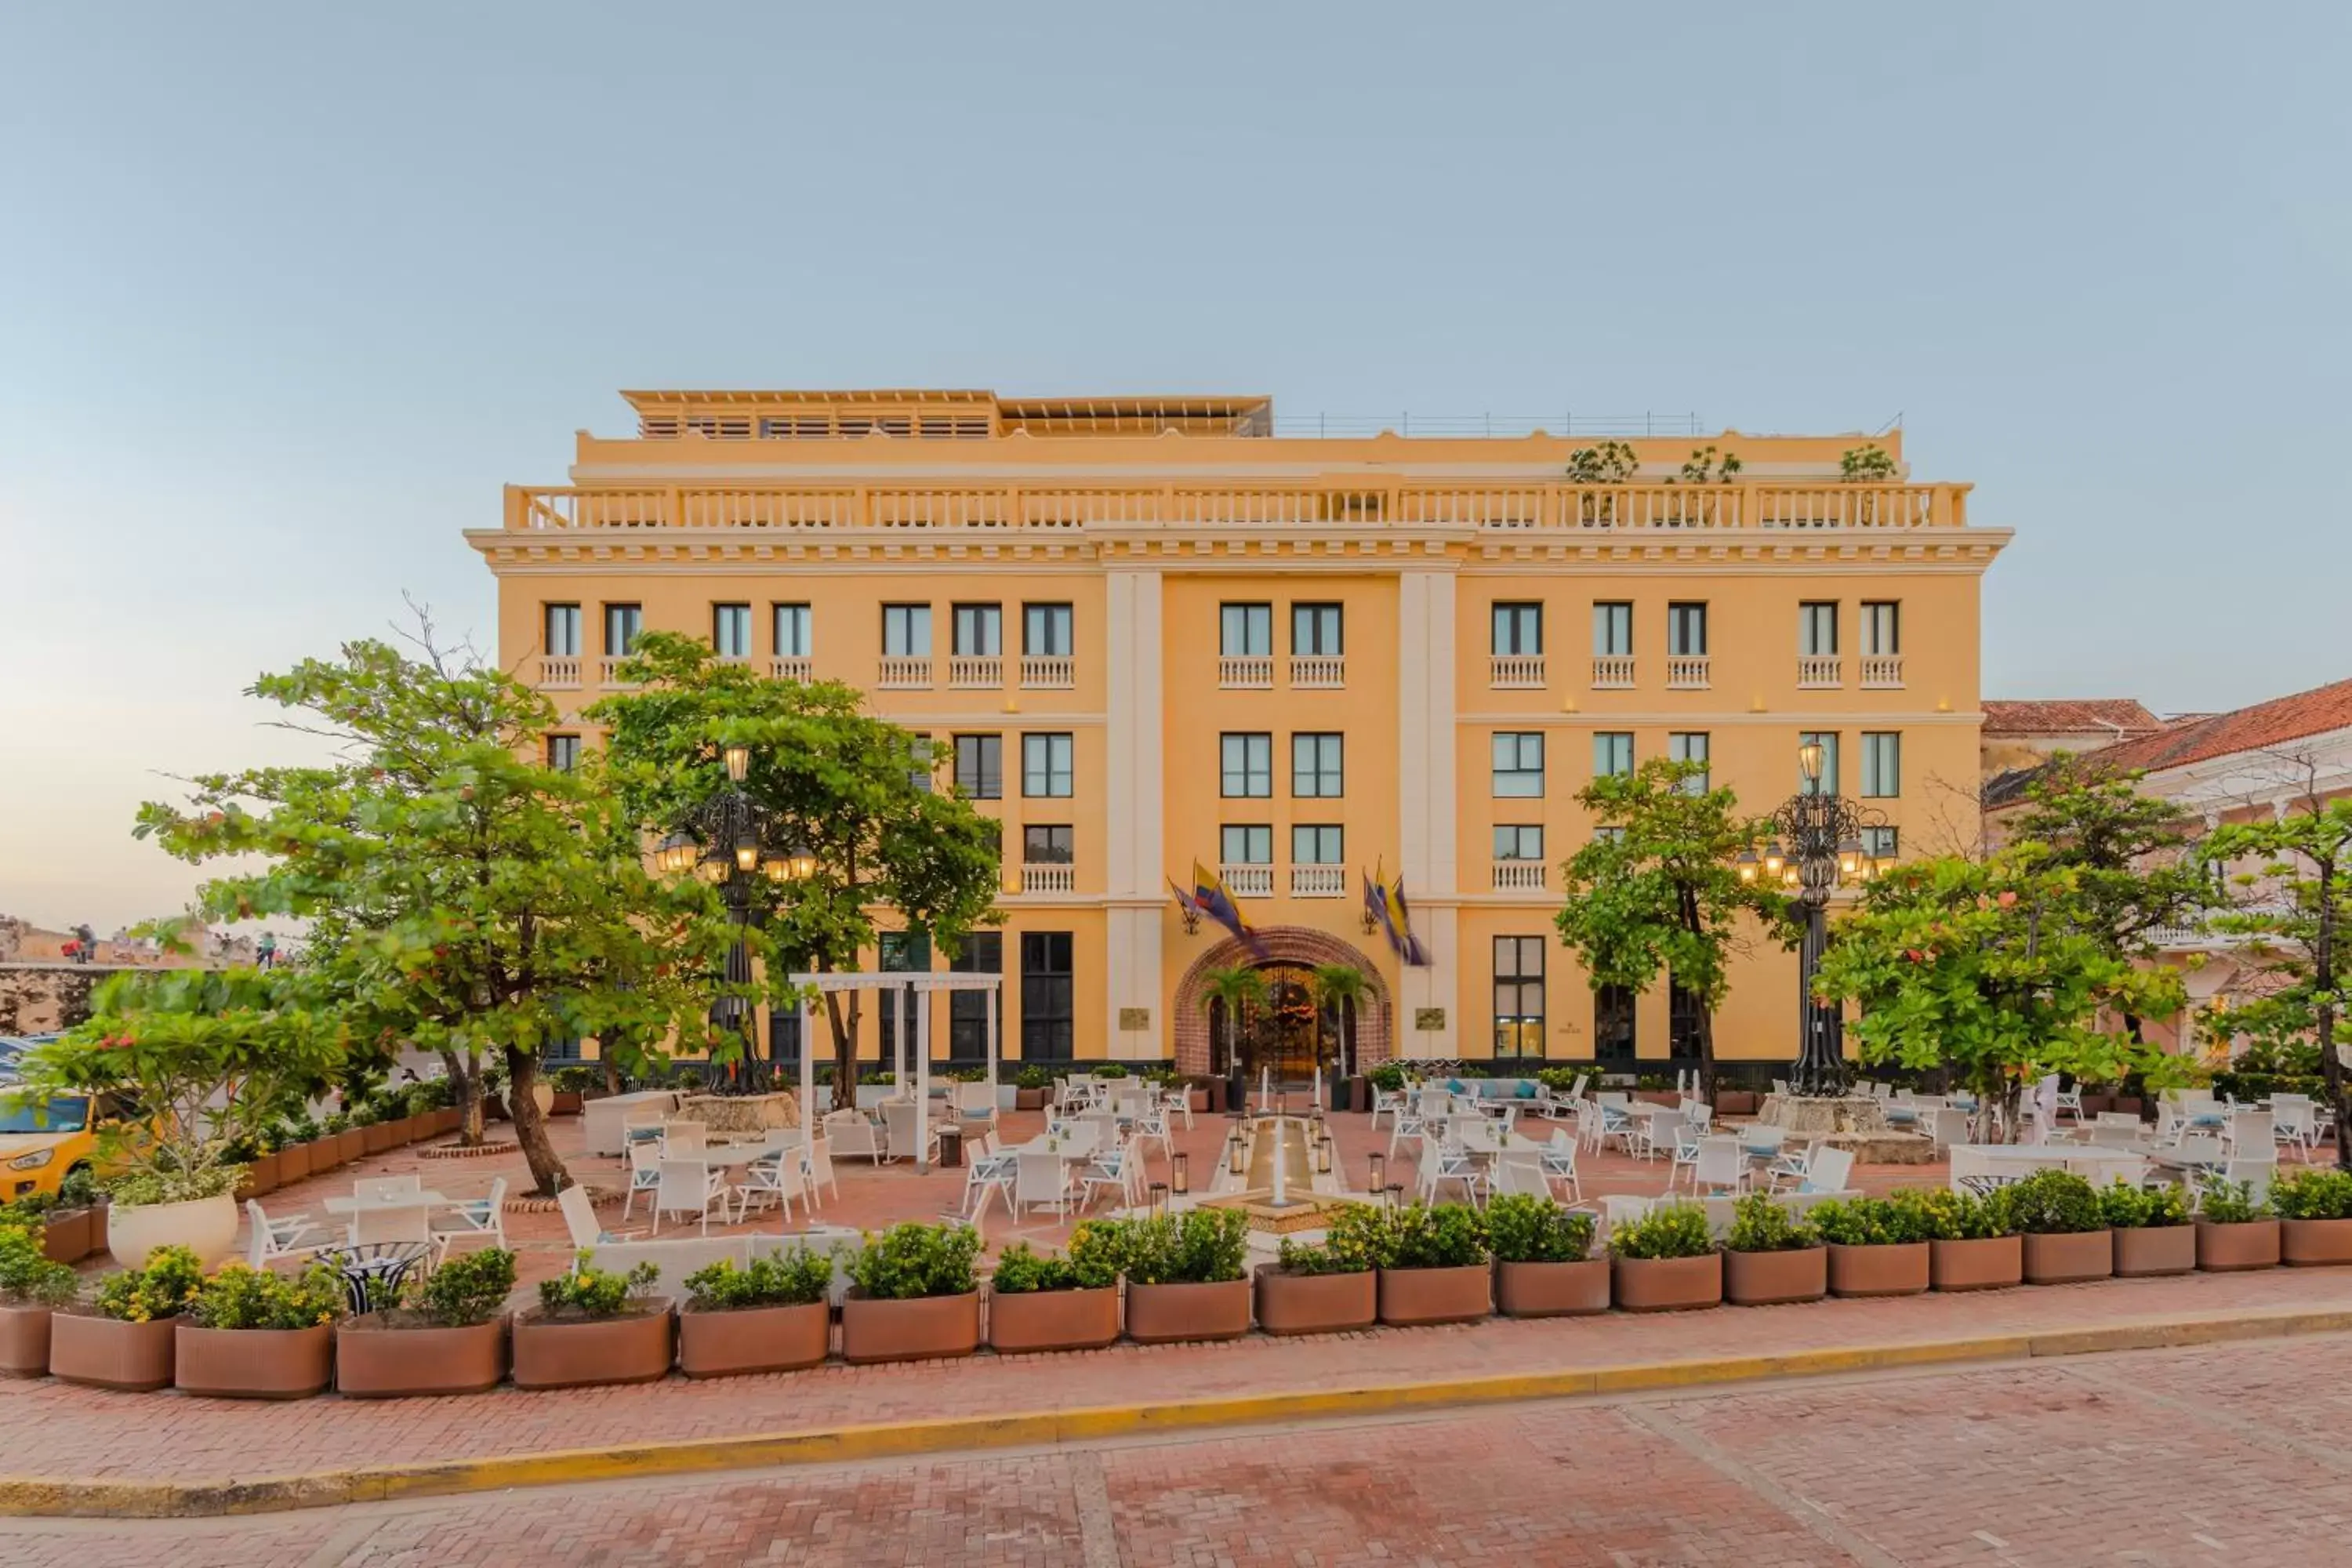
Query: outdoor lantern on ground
[[1239, 1155], [1380, 1171], [1158, 1200], [1323, 1157], [1394, 1191], [1179, 1175]]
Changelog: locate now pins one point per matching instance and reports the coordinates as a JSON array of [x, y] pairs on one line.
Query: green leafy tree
[[462, 897], [2295, 911], [1339, 989], [1997, 970], [1867, 464], [1655, 893], [854, 789], [1238, 989]]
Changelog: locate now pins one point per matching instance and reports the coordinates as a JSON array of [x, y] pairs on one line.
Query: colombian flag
[[1384, 903], [1211, 899]]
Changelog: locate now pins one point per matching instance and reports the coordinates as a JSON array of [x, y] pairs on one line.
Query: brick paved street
[[2227, 1456]]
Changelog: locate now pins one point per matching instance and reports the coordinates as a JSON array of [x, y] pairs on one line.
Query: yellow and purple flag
[[1384, 904], [1212, 899]]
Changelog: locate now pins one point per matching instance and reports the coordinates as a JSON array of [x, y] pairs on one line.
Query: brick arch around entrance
[[1304, 945]]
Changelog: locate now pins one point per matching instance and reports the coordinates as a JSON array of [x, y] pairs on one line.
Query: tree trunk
[[1706, 1043], [844, 1050], [465, 1076], [2323, 978], [548, 1175]]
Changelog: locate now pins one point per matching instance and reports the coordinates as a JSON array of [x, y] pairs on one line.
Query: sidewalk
[[67, 1434]]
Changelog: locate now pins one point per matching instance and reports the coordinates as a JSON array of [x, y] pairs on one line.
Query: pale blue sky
[[287, 292]]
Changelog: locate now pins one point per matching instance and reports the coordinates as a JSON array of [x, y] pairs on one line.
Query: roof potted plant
[[1066, 1303], [1434, 1264], [1771, 1257], [2315, 1210], [2235, 1230], [1878, 1247], [593, 1326], [1544, 1265], [773, 1314], [1324, 1288], [2152, 1232], [1029, 1087], [31, 1287], [252, 1334], [122, 1340], [1971, 1245], [2066, 1235], [1665, 1261], [913, 1296], [1185, 1279], [446, 1335]]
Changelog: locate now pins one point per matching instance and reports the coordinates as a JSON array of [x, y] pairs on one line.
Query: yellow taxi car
[[40, 1143]]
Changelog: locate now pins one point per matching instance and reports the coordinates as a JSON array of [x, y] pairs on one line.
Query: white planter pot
[[207, 1227], [543, 1094]]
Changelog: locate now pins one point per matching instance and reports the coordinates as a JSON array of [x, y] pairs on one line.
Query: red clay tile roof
[[2264, 725], [2072, 717]]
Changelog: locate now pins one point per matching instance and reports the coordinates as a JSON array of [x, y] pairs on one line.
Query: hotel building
[[1150, 631]]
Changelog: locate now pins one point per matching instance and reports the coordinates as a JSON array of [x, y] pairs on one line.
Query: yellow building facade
[[1145, 632]]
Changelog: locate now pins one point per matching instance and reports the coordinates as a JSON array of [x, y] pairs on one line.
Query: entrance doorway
[[1287, 1036]]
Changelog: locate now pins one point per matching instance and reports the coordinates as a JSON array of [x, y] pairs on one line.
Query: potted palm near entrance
[[1327, 1288], [1771, 1257], [1665, 1261], [2152, 1232], [774, 1314], [914, 1296], [1544, 1265], [1066, 1303], [448, 1335], [1185, 1279], [31, 1289]]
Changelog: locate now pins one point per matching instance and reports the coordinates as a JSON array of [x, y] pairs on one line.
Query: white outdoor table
[[381, 1203], [1038, 1145]]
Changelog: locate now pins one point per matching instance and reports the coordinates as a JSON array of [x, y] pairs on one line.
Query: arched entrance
[[1285, 1038]]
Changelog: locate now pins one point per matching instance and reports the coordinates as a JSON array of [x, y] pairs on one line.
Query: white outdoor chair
[[373, 1189], [1442, 1164], [898, 1121], [477, 1219], [680, 1138], [1657, 1135], [1519, 1172], [1559, 1162], [644, 1172], [2249, 1131], [850, 1135], [976, 1102], [409, 1223], [987, 1170], [580, 1220], [294, 1235], [1040, 1180], [2197, 1148], [2106, 1137], [1721, 1166], [2256, 1174], [2295, 1122], [816, 1166], [775, 1175], [690, 1186], [1617, 1122], [1588, 1124], [1781, 1086], [1152, 1127], [1827, 1171], [1792, 1166], [2070, 1102], [1114, 1169], [1687, 1139]]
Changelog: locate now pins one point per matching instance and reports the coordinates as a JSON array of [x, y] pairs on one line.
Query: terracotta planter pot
[[1415, 1296], [325, 1153], [753, 1338], [448, 1120], [260, 1178], [412, 1129], [1665, 1097], [923, 1328], [1735, 1102], [1897, 1270], [2143, 1250], [1987, 1263], [1163, 1314], [68, 1236], [376, 1137], [2229, 1248], [206, 1226], [375, 1359], [1027, 1321], [1198, 1099], [104, 1353], [574, 1354], [2092, 1104], [254, 1364], [1770, 1279], [2132, 1103], [24, 1342], [568, 1102], [1314, 1303], [1552, 1289], [1028, 1100], [350, 1144], [2062, 1259], [293, 1164], [1667, 1284], [2314, 1242]]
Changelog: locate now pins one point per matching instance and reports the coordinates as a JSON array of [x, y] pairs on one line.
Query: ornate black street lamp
[[1823, 833], [730, 840]]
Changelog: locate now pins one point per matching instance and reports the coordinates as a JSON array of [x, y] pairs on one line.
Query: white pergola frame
[[916, 987]]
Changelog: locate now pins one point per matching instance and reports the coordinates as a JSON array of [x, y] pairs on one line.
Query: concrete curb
[[32, 1496]]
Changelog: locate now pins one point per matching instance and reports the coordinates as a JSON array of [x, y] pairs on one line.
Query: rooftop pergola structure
[[914, 988]]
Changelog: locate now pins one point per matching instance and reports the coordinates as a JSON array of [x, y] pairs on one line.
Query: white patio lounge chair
[[291, 1236], [690, 1186]]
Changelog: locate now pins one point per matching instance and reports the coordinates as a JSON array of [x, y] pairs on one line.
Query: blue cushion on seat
[[1453, 1086], [1525, 1092]]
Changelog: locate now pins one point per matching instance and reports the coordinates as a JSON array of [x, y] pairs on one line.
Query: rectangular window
[[1614, 1032], [561, 635], [1690, 746], [906, 631], [1518, 996], [1046, 844], [1880, 842], [1246, 631], [1684, 1013], [1316, 773], [1315, 629], [1612, 753], [792, 640], [1518, 841], [1246, 766], [622, 625], [1316, 843], [1817, 628], [1046, 1011], [564, 753], [1882, 627], [1519, 765], [978, 630], [1045, 767], [1687, 630], [1882, 762], [1246, 844], [1609, 836], [1828, 741], [1613, 629], [983, 953], [1519, 629], [731, 630], [980, 766], [1045, 631]]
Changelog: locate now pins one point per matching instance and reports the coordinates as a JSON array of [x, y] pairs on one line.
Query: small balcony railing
[[973, 672], [609, 669], [1881, 673], [1318, 881], [1246, 672], [1317, 672], [559, 674], [793, 668], [1516, 672], [1248, 881], [1818, 672], [1612, 671], [1048, 671], [1519, 876], [1687, 672], [1049, 877], [900, 673]]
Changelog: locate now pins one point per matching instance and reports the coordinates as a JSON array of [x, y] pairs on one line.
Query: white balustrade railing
[[1519, 876], [1049, 878], [791, 668], [1318, 881], [1516, 672], [559, 674], [1253, 672], [902, 673], [1881, 673], [1254, 880], [1687, 672], [609, 669], [1816, 670], [1317, 672], [1612, 671], [1048, 671], [976, 671]]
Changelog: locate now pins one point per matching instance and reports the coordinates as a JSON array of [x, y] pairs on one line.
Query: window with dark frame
[[1517, 630], [1047, 1016], [980, 766], [1518, 996]]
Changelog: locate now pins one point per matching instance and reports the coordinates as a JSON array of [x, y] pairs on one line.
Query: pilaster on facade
[[1427, 829], [1135, 813]]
